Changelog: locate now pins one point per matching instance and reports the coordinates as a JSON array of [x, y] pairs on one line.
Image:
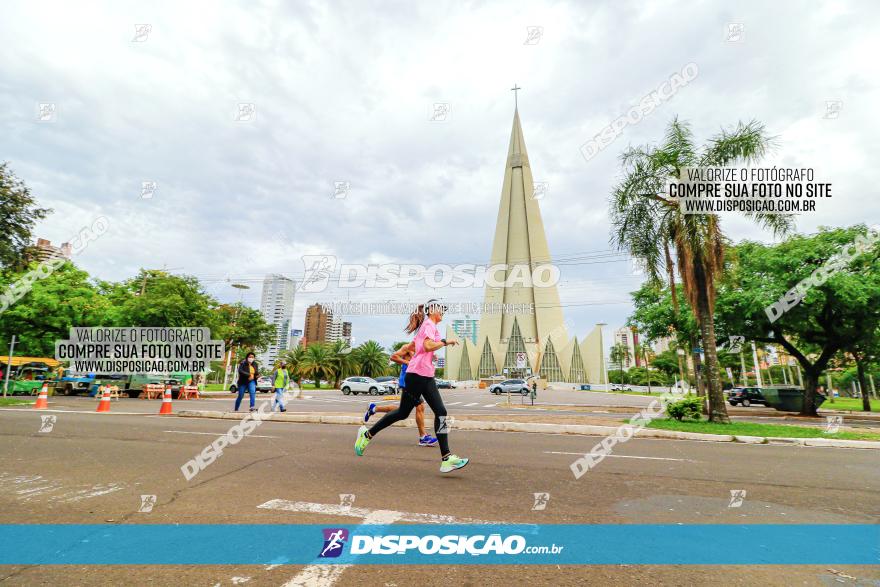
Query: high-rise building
[[44, 251], [521, 329], [466, 329], [629, 338], [321, 326], [318, 321], [276, 305]]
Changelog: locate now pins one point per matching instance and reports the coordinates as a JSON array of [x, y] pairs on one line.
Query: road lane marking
[[318, 575], [213, 433], [580, 454], [332, 509], [453, 403], [490, 405], [469, 405]]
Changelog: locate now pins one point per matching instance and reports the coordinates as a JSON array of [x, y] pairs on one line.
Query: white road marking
[[469, 405], [580, 454], [32, 411], [317, 575], [331, 509], [213, 433], [490, 405], [453, 403]]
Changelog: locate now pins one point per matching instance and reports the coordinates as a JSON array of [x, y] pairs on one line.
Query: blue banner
[[563, 544]]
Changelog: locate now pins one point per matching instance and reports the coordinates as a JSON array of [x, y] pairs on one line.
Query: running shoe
[[452, 463], [360, 445], [370, 411], [427, 440]]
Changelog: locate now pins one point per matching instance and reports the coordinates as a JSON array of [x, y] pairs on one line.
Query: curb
[[534, 427]]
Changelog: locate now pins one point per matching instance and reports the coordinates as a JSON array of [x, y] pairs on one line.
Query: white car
[[368, 385]]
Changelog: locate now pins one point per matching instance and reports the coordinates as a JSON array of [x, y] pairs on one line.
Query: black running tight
[[419, 386]]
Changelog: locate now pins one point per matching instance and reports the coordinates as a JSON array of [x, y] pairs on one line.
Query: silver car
[[368, 385], [510, 385]]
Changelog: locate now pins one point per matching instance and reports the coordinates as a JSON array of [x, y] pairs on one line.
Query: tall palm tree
[[342, 360], [317, 363], [295, 358], [371, 359], [650, 225]]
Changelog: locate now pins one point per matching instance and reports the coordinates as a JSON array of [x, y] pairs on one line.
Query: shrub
[[689, 408]]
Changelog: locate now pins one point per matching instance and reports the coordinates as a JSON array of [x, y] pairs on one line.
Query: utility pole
[[742, 365], [757, 367], [9, 365]]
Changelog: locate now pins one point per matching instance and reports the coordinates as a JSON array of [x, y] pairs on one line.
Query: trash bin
[[585, 388]]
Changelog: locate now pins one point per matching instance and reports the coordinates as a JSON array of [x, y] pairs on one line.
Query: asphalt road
[[93, 468]]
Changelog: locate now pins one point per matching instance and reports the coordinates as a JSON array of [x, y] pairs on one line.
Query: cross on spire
[[515, 89]]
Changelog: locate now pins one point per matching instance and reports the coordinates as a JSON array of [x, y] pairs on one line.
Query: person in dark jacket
[[248, 372]]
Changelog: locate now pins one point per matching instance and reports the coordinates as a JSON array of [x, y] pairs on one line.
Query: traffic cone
[[166, 402], [43, 398], [104, 404]]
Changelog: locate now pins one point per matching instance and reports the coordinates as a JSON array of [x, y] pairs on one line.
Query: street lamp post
[[9, 365], [602, 355], [240, 287]]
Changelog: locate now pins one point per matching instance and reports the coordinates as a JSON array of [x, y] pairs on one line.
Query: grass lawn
[[15, 401], [849, 403], [753, 429]]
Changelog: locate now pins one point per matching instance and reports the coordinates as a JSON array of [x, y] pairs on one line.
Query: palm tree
[[651, 226], [342, 361], [371, 359], [295, 358], [619, 355], [317, 363]]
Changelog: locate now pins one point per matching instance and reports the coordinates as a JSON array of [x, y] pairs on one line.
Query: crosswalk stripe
[[453, 403], [469, 405], [490, 405]]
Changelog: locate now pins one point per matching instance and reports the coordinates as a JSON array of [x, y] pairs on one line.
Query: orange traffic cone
[[43, 398], [104, 404], [166, 402]]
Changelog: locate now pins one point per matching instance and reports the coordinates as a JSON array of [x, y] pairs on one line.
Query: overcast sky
[[344, 92]]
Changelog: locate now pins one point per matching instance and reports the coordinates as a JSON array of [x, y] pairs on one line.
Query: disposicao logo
[[334, 541]]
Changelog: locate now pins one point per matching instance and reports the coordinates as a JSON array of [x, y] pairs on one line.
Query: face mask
[[250, 359]]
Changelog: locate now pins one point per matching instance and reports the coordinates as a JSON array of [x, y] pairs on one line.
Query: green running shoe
[[360, 445], [452, 463]]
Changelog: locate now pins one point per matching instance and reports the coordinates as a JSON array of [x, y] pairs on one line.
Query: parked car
[[356, 385], [620, 387], [28, 380], [445, 384], [387, 380], [746, 396], [510, 385]]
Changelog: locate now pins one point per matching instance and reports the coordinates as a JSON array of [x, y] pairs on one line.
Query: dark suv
[[745, 396]]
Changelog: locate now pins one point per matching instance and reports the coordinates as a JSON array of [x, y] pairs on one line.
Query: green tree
[[156, 298], [651, 226], [295, 359], [619, 355], [318, 363], [18, 216], [833, 313], [371, 359], [240, 325], [64, 299]]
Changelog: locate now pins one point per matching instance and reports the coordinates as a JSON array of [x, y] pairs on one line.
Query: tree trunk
[[860, 369], [811, 381], [717, 409]]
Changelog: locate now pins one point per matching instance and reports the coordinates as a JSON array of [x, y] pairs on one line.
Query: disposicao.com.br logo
[[398, 544]]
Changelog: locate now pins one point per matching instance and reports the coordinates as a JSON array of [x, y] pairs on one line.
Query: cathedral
[[532, 339]]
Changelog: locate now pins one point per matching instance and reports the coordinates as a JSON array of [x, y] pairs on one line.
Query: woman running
[[420, 383], [402, 357]]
